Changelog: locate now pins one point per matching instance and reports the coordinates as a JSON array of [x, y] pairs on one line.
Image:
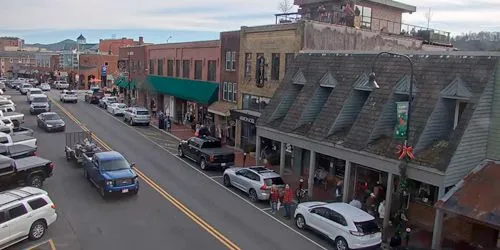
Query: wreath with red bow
[[404, 151]]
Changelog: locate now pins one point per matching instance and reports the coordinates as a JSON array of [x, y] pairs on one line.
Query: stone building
[[326, 116]]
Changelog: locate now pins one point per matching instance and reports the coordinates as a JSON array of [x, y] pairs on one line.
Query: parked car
[[255, 181], [68, 96], [349, 227], [206, 151], [51, 122], [33, 91], [2, 85], [111, 173], [5, 103], [117, 108], [16, 130], [45, 86], [18, 151], [16, 118], [39, 103], [94, 97], [26, 214], [136, 115], [30, 171], [106, 100], [7, 140], [23, 89], [61, 85]]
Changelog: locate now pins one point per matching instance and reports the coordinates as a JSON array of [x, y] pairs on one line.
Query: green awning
[[191, 90], [124, 83]]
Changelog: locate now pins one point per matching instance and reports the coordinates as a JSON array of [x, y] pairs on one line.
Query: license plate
[[223, 164], [124, 190]]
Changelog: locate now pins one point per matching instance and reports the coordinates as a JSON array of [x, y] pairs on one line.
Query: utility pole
[[129, 53]]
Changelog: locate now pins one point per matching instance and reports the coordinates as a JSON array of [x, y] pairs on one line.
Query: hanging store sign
[[402, 119]]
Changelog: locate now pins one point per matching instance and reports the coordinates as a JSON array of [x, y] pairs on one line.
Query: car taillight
[[356, 233], [53, 206], [212, 158], [35, 153], [263, 187], [52, 165]]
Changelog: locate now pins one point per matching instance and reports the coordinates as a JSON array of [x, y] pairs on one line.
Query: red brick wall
[[92, 60], [230, 41], [382, 13], [140, 53], [192, 51], [114, 45], [10, 42]]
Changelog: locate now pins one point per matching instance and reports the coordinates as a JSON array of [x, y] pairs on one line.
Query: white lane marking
[[265, 209], [215, 177], [221, 185]]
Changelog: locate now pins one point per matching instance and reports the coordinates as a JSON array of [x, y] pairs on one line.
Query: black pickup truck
[[31, 171], [207, 151], [17, 151]]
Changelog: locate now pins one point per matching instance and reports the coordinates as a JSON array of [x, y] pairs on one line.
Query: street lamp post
[[129, 53], [405, 152]]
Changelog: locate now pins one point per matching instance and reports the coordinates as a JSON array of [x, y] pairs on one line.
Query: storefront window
[[422, 192], [255, 103]]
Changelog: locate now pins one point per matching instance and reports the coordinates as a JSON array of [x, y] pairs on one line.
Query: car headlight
[[49, 126], [109, 183]]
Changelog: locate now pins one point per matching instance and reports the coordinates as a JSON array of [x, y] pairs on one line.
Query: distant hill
[[67, 44]]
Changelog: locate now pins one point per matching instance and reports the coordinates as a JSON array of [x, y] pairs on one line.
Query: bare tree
[[285, 6], [428, 17]]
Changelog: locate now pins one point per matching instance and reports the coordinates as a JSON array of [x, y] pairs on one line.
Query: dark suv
[[94, 97]]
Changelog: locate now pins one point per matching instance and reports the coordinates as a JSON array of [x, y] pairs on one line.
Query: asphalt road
[[181, 207]]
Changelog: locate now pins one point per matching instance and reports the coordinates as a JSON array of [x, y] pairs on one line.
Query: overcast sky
[[54, 20]]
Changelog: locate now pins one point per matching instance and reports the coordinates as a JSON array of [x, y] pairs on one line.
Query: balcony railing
[[431, 36]]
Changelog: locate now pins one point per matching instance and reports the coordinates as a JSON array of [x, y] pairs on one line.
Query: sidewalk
[[180, 132]]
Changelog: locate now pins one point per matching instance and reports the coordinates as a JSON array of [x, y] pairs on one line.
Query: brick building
[[13, 62], [132, 72], [112, 46], [328, 117], [11, 44], [184, 79], [91, 66], [228, 87]]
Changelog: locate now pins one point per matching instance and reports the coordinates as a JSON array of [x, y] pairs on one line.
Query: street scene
[[330, 124]]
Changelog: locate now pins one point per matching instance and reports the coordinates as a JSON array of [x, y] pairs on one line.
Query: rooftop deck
[[428, 35]]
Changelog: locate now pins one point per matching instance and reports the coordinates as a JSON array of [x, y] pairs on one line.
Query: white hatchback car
[[117, 108], [45, 86], [33, 91], [25, 213], [349, 227]]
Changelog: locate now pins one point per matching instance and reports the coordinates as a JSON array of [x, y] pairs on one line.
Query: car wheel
[[102, 192], [253, 195], [113, 112], [76, 101], [37, 230], [131, 122], [227, 181], [300, 222], [147, 124], [36, 181], [203, 164], [135, 191], [181, 153], [341, 244]]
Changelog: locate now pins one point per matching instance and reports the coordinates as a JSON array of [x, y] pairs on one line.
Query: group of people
[[372, 201], [278, 198]]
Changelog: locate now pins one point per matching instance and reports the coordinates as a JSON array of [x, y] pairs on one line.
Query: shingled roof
[[348, 113]]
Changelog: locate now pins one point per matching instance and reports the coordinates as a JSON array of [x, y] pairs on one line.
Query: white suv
[[349, 227], [61, 85], [68, 96], [25, 213]]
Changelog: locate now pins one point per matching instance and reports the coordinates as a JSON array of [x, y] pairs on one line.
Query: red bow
[[404, 151]]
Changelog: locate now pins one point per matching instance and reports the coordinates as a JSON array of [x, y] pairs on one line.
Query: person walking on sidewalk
[[287, 201], [274, 198]]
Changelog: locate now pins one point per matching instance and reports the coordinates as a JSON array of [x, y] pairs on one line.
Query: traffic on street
[[119, 186]]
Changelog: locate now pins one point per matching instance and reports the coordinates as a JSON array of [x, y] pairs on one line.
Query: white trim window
[[233, 61], [229, 92], [228, 60]]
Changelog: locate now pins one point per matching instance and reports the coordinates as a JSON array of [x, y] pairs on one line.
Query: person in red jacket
[[274, 198], [287, 201]]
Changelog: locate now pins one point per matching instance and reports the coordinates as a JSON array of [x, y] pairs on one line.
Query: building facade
[[91, 68], [13, 62], [45, 60], [332, 119], [11, 44], [112, 46], [68, 60], [133, 70], [184, 80], [228, 87]]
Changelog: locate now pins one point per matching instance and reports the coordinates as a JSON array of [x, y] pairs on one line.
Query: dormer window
[[459, 109]]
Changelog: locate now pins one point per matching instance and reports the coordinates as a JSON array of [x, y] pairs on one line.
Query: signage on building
[[247, 119]]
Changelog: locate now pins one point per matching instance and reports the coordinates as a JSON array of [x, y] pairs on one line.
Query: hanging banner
[[402, 112]]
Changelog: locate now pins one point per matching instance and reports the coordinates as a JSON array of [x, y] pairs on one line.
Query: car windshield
[[211, 144], [70, 92], [26, 86], [40, 99], [142, 112], [5, 103], [121, 105], [112, 99], [367, 227], [34, 92], [115, 164], [51, 117], [274, 181]]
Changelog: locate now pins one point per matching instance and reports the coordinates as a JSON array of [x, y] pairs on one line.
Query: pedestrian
[[381, 213], [244, 158], [153, 108], [287, 201], [274, 198]]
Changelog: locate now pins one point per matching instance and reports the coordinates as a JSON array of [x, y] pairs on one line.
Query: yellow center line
[[52, 245], [198, 220]]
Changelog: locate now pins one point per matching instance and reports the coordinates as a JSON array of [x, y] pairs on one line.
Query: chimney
[[141, 40]]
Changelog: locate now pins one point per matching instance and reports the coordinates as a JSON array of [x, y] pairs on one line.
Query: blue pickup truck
[[111, 173]]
